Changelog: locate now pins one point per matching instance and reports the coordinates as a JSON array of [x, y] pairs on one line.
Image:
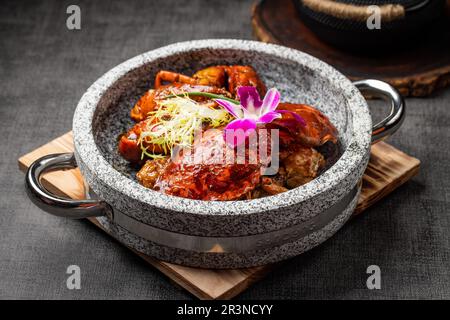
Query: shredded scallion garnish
[[203, 94], [175, 122]]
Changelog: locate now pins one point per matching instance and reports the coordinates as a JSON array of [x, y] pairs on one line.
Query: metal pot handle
[[58, 206], [392, 122]]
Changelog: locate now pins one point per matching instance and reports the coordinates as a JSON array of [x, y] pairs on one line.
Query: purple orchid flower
[[252, 111]]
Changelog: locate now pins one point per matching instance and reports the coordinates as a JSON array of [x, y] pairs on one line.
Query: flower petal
[[271, 101], [250, 99], [299, 119], [235, 109], [269, 117], [238, 130]]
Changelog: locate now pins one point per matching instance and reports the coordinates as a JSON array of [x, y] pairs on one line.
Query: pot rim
[[93, 160]]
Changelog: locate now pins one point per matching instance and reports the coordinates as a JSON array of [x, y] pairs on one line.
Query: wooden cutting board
[[388, 169]]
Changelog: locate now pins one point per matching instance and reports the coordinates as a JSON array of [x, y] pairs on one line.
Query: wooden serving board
[[415, 71], [388, 169]]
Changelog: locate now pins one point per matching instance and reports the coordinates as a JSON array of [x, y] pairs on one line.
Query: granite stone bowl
[[216, 234]]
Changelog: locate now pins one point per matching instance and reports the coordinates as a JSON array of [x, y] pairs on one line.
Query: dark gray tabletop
[[44, 70]]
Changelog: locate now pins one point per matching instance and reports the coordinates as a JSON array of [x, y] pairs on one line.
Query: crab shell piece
[[239, 76], [149, 101], [205, 174], [317, 131], [129, 144], [228, 77], [213, 76]]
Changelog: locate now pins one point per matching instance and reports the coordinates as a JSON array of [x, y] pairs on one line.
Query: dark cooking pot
[[343, 23]]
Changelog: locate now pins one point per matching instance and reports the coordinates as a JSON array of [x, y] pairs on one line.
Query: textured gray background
[[44, 70]]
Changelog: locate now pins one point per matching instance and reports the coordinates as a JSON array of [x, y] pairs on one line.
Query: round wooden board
[[417, 71]]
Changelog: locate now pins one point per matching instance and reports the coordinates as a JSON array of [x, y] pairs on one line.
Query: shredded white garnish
[[175, 122]]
